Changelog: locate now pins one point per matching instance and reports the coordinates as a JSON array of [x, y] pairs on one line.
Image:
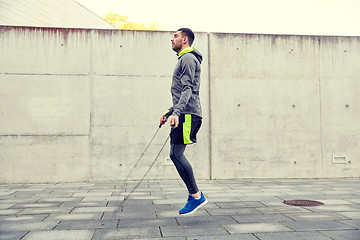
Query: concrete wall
[[283, 106], [79, 105], [83, 104], [44, 105], [340, 112], [131, 79]]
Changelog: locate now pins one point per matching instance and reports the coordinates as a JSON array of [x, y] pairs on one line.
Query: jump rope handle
[[172, 127]]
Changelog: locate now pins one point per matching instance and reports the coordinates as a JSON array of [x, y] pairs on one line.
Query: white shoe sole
[[201, 205]]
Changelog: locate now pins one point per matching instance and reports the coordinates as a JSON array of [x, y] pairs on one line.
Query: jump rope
[[146, 173]]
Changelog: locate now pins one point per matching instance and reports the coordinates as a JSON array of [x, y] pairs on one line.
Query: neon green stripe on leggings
[[187, 129]]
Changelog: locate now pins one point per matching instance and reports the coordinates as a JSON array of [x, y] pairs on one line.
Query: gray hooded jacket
[[185, 85]]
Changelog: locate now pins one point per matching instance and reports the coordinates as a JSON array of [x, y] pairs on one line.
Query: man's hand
[[163, 120], [174, 121]]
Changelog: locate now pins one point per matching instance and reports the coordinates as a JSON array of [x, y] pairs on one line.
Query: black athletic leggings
[[183, 167]]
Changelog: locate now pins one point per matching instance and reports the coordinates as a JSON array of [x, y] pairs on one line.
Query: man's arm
[[166, 115], [188, 66]]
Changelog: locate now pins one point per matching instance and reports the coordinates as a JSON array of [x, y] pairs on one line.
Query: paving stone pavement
[[237, 209]]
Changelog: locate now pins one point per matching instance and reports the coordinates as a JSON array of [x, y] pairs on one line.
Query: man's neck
[[183, 47], [184, 51]]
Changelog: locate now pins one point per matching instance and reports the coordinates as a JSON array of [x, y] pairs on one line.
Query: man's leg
[[196, 199], [183, 167]]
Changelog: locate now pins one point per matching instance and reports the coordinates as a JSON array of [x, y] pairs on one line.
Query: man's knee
[[172, 156], [176, 155]]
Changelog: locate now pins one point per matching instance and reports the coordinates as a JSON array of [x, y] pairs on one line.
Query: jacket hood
[[197, 55], [191, 50]]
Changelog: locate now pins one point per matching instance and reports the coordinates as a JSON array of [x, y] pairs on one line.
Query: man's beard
[[176, 48]]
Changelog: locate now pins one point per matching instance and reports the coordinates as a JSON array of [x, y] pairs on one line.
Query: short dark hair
[[189, 34]]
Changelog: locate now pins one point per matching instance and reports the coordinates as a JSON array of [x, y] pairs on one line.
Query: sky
[[299, 17]]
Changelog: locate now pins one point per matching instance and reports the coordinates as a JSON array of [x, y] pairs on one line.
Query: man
[[185, 114]]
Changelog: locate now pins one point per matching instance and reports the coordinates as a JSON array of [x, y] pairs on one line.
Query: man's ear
[[185, 40]]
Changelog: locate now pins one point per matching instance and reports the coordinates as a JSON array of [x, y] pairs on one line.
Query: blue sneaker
[[192, 205]]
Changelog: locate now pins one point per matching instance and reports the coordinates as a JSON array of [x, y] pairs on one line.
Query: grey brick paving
[[233, 211], [60, 235], [75, 216], [182, 231], [150, 222], [205, 220], [237, 209], [350, 215], [292, 236], [352, 223], [255, 228], [314, 216], [128, 233], [27, 226], [224, 237], [268, 218], [343, 235], [87, 224], [6, 235], [316, 225]]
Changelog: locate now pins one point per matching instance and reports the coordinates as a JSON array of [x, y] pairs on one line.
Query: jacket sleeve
[[168, 112], [188, 66]]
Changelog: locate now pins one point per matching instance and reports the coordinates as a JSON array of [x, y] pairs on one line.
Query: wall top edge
[[8, 27], [281, 35], [74, 29]]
